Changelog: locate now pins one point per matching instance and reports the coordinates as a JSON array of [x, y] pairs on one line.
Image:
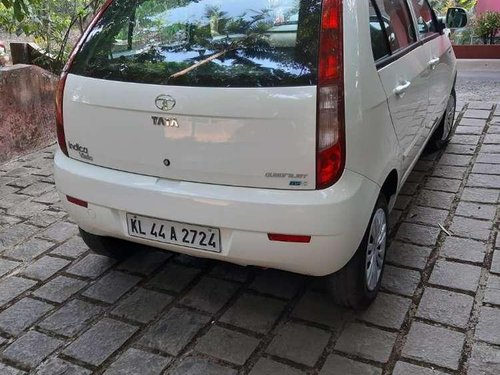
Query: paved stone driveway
[[64, 309]]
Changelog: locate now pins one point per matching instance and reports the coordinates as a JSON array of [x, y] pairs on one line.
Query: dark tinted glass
[[216, 43], [380, 47], [396, 16], [425, 18]]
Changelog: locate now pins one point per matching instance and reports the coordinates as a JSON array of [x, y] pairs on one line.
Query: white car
[[276, 135]]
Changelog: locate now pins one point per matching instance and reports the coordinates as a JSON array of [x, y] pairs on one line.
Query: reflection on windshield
[[205, 43]]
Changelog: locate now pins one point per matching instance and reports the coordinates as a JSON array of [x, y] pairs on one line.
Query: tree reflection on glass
[[205, 43]]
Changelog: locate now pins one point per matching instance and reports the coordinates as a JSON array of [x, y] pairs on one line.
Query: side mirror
[[456, 18]]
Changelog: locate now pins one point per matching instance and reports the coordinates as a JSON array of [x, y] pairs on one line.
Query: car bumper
[[335, 218]]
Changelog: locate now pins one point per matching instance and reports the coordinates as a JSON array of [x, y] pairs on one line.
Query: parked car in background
[[277, 134]]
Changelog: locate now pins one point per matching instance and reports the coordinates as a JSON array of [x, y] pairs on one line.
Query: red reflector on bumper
[[77, 201], [288, 238]]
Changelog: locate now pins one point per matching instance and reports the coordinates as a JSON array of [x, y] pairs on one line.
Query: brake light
[[330, 154], [61, 137]]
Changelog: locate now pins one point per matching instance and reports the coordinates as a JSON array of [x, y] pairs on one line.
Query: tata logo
[[165, 102], [164, 121]]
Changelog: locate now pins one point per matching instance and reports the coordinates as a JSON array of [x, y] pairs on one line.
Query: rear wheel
[[357, 284], [444, 131]]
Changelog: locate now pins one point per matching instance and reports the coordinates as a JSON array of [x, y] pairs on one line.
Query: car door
[[437, 46], [404, 76]]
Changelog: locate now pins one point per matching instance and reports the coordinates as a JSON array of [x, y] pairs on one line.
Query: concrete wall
[[27, 110]]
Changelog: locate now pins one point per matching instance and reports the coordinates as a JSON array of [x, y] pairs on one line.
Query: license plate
[[172, 232]]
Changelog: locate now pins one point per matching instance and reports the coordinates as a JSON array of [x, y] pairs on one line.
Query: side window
[[398, 24], [425, 18], [380, 46]]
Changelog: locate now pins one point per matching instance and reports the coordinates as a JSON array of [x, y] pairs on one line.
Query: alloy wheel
[[375, 252], [449, 119]]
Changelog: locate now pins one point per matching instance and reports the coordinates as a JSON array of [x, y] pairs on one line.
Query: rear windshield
[[215, 43]]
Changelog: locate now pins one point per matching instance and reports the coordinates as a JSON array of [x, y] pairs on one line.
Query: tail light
[[61, 137], [330, 157]]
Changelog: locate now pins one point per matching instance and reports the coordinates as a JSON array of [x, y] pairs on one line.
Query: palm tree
[[214, 14]]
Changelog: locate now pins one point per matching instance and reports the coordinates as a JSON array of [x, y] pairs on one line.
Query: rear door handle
[[401, 89], [432, 63]]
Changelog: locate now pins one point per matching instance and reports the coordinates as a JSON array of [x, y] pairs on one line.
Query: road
[[478, 80]]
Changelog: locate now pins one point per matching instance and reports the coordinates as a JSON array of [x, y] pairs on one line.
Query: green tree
[[19, 7], [54, 24], [467, 4], [487, 26], [441, 6]]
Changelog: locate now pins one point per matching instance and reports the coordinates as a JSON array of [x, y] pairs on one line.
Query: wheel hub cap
[[376, 249], [449, 119]]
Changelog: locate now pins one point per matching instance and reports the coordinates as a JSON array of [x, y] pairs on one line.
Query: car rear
[[214, 129]]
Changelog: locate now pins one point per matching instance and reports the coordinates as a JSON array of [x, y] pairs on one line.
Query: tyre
[[107, 245], [442, 135], [356, 285]]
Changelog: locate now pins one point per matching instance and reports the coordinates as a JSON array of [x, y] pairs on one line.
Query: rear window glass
[[215, 43]]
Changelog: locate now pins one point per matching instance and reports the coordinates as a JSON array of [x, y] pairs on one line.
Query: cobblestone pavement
[[64, 309]]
